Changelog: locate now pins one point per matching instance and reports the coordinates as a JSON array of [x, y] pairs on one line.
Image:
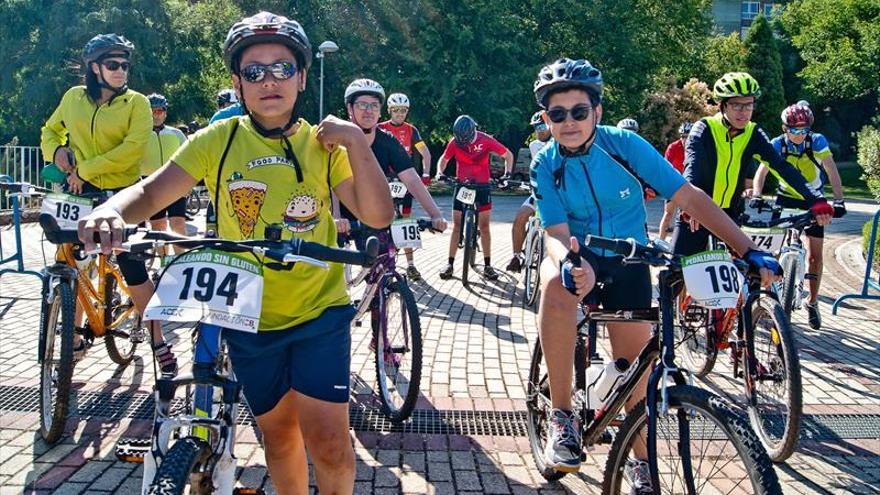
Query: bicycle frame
[[794, 247], [218, 431], [92, 299]]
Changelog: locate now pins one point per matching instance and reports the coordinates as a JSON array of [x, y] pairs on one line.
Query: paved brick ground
[[477, 345]]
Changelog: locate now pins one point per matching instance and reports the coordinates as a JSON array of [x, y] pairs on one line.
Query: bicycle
[[203, 451], [394, 316], [786, 241], [533, 254], [94, 282], [772, 377], [194, 200], [688, 418], [466, 193]]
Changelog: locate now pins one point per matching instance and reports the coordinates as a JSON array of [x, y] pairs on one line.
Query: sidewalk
[[468, 433]]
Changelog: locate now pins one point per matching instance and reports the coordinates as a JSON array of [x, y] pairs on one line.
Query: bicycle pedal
[[133, 449], [583, 457]]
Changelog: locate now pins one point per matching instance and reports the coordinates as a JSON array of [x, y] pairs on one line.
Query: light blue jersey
[[601, 192]]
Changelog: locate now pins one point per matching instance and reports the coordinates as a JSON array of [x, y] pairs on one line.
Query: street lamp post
[[325, 48]]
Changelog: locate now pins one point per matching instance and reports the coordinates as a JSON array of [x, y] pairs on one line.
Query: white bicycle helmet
[[629, 125], [398, 100], [364, 87]]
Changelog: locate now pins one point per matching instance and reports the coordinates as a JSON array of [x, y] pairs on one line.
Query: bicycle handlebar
[[287, 251], [23, 188], [633, 251]]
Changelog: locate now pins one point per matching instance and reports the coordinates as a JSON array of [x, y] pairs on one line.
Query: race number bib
[[67, 210], [398, 189], [211, 286], [712, 280], [405, 234], [466, 196], [767, 239]]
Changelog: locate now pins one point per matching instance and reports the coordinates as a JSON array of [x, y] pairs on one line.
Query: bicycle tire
[[398, 414], [786, 355], [532, 277], [789, 286], [758, 468], [53, 417], [699, 356], [177, 465], [112, 310], [470, 243], [537, 410]]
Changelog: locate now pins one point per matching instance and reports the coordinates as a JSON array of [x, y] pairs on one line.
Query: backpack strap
[[220, 169]]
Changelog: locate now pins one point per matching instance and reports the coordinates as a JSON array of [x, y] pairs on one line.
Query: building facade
[[735, 16]]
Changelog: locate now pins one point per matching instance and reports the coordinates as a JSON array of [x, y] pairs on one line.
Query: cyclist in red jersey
[[674, 155], [408, 136], [471, 149]]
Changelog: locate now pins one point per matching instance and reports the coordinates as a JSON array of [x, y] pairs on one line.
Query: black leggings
[[134, 272]]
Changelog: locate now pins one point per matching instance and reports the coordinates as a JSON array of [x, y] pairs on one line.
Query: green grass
[[853, 184]]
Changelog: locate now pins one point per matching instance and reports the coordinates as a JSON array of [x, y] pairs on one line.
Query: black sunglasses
[[557, 115], [113, 65], [255, 73]]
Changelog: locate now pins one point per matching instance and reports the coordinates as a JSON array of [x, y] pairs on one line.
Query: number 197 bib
[[211, 286], [712, 279]]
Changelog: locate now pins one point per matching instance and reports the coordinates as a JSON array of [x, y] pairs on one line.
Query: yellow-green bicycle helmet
[[735, 84]]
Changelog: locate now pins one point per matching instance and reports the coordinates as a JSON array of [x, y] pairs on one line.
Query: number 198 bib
[[712, 279], [211, 286]]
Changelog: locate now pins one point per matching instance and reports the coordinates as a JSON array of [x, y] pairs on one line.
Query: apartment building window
[[750, 10]]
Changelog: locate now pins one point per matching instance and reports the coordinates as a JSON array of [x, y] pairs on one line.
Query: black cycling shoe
[[515, 264], [490, 273], [446, 274], [813, 315]]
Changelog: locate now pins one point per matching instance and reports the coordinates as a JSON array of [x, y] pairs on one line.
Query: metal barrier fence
[[23, 164]]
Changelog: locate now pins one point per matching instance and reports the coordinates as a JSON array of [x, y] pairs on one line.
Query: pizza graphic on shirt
[[247, 198]]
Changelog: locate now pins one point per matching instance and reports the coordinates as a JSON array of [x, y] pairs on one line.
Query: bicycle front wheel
[[695, 339], [398, 340], [703, 446], [56, 370], [789, 285], [122, 321], [177, 465], [470, 243], [532, 277], [776, 389]]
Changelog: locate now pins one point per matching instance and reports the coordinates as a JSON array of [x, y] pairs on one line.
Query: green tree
[[723, 54], [666, 109], [839, 40], [764, 64]]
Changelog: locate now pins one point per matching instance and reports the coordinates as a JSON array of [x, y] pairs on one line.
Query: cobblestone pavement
[[476, 353]]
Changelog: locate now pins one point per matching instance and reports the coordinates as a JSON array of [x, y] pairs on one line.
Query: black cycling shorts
[[175, 209], [686, 243], [483, 202], [624, 286]]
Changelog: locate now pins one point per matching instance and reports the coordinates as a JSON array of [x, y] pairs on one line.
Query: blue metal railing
[[867, 283]]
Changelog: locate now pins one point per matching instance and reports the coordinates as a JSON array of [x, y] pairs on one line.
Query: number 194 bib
[[712, 279], [210, 286]]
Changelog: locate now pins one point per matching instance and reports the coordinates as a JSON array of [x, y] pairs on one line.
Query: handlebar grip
[[55, 234], [619, 246], [335, 255]]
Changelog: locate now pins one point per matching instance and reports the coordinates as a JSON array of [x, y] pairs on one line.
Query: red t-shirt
[[675, 155], [472, 161], [406, 134]]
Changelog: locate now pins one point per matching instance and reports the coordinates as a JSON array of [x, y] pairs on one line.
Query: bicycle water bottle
[[603, 379]]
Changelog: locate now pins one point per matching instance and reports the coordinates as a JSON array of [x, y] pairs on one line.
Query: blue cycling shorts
[[313, 358]]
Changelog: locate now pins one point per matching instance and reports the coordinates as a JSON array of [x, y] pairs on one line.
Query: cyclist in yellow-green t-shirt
[[278, 169]]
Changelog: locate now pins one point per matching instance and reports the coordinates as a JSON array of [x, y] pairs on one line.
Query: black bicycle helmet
[[158, 101], [566, 73], [266, 27], [464, 130], [103, 44]]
